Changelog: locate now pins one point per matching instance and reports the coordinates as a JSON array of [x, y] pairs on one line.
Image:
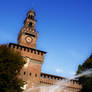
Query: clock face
[[28, 39]]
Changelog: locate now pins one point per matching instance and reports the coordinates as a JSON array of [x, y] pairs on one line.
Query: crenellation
[[29, 51], [12, 46], [38, 52], [41, 54], [16, 47], [24, 49], [69, 84], [51, 77]]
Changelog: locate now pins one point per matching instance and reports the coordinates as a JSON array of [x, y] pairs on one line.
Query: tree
[[11, 63], [85, 81]]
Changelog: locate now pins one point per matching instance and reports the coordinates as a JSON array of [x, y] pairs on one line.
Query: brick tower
[[28, 35], [31, 72], [27, 47]]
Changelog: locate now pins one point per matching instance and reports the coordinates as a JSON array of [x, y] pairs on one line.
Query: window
[[35, 75], [30, 24], [24, 73], [30, 74], [31, 17]]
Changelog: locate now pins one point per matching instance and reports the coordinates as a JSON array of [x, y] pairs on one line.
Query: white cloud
[[72, 73], [58, 70]]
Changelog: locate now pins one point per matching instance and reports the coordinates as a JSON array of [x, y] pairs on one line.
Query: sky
[[64, 26]]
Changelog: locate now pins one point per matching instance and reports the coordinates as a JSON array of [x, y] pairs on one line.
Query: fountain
[[60, 86]]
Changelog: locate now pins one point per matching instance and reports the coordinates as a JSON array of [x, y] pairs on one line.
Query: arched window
[[30, 24], [31, 17], [35, 75]]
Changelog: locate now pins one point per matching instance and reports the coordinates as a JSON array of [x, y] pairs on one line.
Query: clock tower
[[28, 35], [31, 71]]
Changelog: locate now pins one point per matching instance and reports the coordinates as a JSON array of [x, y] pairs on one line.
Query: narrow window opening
[[24, 73], [35, 75], [30, 74]]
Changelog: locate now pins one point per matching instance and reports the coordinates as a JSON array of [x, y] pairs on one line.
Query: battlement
[[73, 84], [30, 52], [48, 79], [50, 76]]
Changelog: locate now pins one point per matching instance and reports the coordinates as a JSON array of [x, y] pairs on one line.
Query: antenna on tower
[[32, 5]]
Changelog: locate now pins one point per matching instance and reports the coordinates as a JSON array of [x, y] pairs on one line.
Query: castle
[[31, 72]]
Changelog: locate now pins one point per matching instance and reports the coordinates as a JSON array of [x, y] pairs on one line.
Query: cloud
[[72, 73], [58, 70]]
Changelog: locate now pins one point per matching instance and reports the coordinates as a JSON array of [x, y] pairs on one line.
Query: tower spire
[[29, 31], [30, 22], [32, 5]]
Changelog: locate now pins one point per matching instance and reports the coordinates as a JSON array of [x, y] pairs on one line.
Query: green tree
[[11, 63], [85, 81]]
